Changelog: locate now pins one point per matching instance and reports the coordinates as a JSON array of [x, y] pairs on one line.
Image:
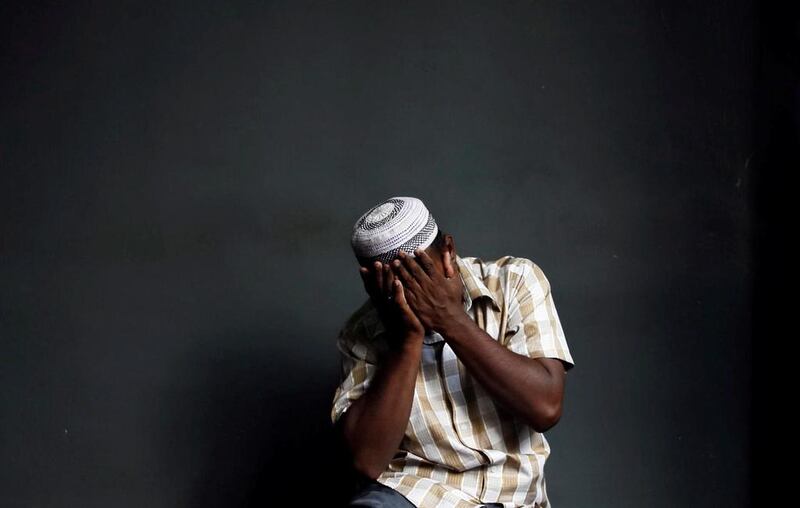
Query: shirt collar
[[473, 285]]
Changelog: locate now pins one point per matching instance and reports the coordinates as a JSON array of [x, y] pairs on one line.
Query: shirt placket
[[453, 389], [492, 480]]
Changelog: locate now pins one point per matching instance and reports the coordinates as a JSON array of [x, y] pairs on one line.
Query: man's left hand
[[435, 299]]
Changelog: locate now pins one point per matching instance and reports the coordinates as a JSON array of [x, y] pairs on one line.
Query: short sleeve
[[355, 377], [537, 330]]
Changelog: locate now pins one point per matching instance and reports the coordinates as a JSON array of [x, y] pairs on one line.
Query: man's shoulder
[[358, 333], [508, 274], [502, 265]]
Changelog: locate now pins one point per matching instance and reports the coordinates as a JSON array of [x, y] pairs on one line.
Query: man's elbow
[[546, 417], [370, 472], [359, 461]]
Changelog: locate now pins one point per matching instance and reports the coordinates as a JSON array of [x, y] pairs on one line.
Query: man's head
[[400, 223]]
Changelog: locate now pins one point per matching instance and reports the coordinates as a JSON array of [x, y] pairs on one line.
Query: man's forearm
[[523, 385], [374, 425]]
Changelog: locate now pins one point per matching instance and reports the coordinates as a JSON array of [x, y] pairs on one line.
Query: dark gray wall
[[178, 187]]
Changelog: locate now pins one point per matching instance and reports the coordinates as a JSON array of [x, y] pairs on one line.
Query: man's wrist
[[411, 345], [400, 341], [456, 326]]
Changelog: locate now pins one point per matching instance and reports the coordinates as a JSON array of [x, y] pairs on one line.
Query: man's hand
[[435, 299], [389, 298]]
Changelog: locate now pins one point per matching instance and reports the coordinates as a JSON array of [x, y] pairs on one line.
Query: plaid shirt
[[460, 449]]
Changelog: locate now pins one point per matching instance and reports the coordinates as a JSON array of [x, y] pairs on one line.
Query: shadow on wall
[[255, 425]]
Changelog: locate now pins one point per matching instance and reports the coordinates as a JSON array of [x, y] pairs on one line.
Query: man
[[451, 370]]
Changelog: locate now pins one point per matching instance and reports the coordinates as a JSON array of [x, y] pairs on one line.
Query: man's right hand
[[397, 316]]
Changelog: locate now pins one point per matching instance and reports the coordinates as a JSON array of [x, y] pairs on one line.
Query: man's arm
[[374, 424], [529, 383], [532, 388]]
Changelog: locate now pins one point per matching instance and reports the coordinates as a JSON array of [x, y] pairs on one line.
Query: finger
[[414, 268], [409, 282], [401, 296], [366, 278], [377, 276], [387, 280], [427, 265], [407, 308]]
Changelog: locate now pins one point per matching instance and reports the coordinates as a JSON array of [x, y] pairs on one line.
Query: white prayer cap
[[398, 223]]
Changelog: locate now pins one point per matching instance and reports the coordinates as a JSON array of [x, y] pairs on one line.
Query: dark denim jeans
[[374, 494]]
